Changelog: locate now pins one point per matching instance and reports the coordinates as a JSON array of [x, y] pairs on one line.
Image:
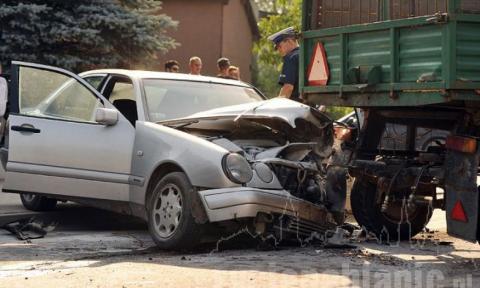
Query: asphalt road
[[94, 248], [70, 216], [10, 203]]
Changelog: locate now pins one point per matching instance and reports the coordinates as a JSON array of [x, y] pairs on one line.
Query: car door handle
[[25, 128]]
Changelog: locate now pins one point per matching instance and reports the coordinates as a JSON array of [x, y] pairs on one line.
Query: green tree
[[84, 34], [283, 14]]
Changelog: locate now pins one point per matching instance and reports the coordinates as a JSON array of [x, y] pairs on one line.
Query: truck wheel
[[37, 203], [170, 219], [396, 223]]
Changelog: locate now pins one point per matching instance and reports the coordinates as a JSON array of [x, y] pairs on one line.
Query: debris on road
[[29, 228], [339, 240]]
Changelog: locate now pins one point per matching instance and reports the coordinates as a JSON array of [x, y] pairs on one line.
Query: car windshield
[[172, 99]]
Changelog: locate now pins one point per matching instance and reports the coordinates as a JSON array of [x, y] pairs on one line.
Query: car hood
[[279, 120], [274, 112]]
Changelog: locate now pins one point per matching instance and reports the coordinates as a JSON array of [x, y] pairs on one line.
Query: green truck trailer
[[413, 65]]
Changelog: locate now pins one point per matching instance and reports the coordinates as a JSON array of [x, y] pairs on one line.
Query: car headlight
[[237, 168], [263, 172]]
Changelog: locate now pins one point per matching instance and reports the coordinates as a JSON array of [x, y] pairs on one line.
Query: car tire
[[370, 217], [170, 220], [37, 203]]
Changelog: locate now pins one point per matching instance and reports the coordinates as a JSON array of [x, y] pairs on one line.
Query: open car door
[[56, 146]]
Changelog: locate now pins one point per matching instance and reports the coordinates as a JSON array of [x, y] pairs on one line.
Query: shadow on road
[[74, 217], [104, 238]]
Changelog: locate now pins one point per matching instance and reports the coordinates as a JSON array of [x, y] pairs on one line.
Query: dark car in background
[[394, 134]]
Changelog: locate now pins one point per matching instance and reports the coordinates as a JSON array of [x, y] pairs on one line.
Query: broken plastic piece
[[29, 228], [338, 240]]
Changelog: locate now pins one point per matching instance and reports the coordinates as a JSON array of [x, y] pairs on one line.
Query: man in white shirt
[[3, 93], [195, 65], [3, 104]]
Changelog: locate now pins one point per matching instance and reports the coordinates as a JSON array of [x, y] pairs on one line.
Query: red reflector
[[461, 144], [458, 213], [318, 72]]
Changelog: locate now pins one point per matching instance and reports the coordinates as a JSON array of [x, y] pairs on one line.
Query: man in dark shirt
[[223, 64], [172, 66], [286, 44]]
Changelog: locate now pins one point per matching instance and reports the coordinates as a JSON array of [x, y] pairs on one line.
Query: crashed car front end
[[279, 152]]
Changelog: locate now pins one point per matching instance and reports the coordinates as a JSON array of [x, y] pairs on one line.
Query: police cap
[[282, 35]]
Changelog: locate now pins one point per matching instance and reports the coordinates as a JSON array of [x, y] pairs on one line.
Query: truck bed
[[420, 60]]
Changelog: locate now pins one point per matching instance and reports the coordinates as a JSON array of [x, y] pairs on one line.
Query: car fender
[[156, 144]]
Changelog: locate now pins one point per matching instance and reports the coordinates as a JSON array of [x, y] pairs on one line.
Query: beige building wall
[[210, 29], [199, 32], [237, 37]]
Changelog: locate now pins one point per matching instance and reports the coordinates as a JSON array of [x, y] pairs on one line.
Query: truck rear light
[[343, 133], [458, 213], [461, 144]]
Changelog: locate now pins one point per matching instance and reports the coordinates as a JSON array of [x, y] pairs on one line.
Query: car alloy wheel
[[170, 219], [36, 202], [168, 210], [29, 197]]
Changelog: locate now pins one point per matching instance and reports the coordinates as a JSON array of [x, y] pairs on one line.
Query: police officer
[[286, 44]]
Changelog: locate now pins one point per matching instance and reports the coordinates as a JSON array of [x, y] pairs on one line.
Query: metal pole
[[386, 10], [453, 6]]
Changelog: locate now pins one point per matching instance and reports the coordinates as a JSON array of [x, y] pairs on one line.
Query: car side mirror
[[106, 116], [3, 96]]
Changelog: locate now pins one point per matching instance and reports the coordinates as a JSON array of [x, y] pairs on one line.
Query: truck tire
[[170, 220], [37, 203], [388, 225]]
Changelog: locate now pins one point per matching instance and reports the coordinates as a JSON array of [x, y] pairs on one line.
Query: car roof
[[140, 74]]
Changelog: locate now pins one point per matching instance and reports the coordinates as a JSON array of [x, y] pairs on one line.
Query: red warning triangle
[[458, 213], [318, 72]]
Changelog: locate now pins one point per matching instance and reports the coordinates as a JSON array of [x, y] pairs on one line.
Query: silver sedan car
[[194, 156]]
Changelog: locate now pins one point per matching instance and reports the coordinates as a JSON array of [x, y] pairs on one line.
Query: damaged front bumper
[[245, 202]]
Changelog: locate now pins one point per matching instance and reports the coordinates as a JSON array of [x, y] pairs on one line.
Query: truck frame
[[418, 69]]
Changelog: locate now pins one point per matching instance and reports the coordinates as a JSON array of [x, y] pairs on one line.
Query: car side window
[[120, 92], [394, 137], [95, 81], [51, 94]]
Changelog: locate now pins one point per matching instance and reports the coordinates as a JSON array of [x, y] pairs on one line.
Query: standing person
[[195, 65], [223, 64], [172, 66], [286, 44], [234, 72], [3, 104]]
